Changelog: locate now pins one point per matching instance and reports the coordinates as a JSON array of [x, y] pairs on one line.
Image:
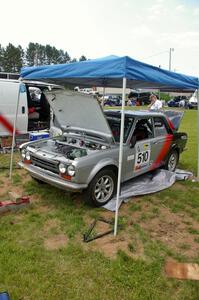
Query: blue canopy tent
[[109, 72], [114, 71]]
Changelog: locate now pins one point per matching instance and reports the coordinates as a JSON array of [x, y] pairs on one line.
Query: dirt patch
[[170, 229], [56, 242], [42, 209], [8, 186], [162, 225], [77, 199], [179, 187], [109, 215], [51, 224], [110, 245]]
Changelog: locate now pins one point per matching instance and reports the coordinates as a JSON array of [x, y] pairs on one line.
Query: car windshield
[[114, 123]]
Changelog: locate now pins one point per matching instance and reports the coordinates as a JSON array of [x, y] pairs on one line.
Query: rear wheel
[[172, 161], [101, 188]]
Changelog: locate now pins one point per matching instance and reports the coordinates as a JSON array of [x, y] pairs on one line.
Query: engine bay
[[70, 146]]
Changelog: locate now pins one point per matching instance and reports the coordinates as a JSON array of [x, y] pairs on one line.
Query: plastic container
[[33, 136]]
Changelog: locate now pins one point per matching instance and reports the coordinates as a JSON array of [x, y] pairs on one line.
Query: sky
[[144, 30]]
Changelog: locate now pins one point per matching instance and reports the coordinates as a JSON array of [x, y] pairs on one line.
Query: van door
[[22, 117], [9, 91]]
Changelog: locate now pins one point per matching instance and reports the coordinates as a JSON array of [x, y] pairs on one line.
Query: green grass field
[[189, 125], [42, 255]]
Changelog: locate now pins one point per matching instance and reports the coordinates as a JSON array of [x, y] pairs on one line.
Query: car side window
[[143, 130], [114, 123], [160, 127]]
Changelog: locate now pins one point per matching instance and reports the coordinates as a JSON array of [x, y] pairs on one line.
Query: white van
[[33, 110]]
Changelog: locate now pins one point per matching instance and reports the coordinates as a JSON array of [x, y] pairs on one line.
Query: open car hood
[[82, 113], [175, 117]]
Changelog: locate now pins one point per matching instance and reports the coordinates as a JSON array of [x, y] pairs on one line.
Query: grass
[[29, 271], [188, 159]]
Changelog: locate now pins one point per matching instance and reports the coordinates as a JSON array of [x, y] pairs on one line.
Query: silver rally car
[[85, 156]]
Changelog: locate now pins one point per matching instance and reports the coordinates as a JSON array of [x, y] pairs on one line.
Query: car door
[[162, 142], [139, 154]]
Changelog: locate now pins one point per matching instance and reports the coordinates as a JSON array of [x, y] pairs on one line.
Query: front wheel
[[172, 161], [101, 188]]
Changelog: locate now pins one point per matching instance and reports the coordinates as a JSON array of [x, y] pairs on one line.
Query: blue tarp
[[109, 72]]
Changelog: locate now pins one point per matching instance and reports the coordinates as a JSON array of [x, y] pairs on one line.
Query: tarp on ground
[[149, 183], [109, 72]]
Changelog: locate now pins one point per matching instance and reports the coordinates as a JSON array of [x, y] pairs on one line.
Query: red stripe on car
[[7, 124], [170, 123], [163, 152]]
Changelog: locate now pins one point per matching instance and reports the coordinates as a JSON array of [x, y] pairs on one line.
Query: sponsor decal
[[130, 157], [142, 157]]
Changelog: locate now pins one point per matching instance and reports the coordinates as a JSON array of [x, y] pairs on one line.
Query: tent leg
[[120, 156], [198, 128], [14, 134], [103, 97]]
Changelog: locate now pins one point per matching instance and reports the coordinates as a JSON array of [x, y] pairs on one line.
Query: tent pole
[[198, 128], [103, 96], [14, 133], [120, 155]]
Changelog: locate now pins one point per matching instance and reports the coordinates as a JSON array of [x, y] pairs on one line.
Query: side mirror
[[133, 141]]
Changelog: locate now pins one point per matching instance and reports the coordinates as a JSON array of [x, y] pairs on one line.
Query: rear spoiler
[[174, 117]]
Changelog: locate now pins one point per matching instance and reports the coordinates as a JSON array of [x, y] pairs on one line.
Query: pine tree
[[12, 60], [82, 58]]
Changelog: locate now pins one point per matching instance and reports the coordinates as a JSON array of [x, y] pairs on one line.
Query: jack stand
[[87, 236]]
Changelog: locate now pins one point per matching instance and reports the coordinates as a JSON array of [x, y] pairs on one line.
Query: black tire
[[172, 161], [101, 188]]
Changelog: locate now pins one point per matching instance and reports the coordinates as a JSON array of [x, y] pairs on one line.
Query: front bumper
[[52, 178]]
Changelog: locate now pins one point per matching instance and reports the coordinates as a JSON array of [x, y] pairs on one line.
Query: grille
[[45, 164]]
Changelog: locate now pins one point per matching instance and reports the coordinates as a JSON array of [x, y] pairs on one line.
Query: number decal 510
[[142, 157]]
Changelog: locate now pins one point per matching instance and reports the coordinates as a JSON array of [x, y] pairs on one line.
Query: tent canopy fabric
[[109, 72]]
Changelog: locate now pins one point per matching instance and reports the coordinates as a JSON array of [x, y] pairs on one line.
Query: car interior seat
[[141, 132]]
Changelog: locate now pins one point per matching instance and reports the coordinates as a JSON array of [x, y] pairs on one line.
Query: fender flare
[[174, 147], [107, 162]]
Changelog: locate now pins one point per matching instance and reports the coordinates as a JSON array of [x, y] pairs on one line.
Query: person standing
[[155, 103]]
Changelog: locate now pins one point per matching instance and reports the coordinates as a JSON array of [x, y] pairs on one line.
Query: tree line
[[13, 58]]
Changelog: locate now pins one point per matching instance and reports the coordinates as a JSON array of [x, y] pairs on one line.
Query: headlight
[[71, 170], [23, 153], [62, 168], [27, 155]]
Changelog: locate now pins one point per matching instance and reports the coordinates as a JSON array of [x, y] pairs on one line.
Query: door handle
[[23, 109]]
